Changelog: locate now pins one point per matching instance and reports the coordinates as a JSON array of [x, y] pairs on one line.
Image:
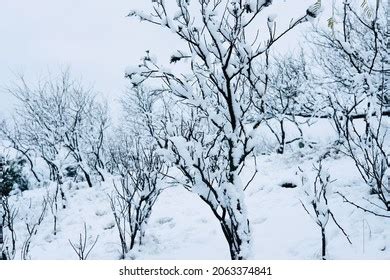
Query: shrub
[[12, 176]]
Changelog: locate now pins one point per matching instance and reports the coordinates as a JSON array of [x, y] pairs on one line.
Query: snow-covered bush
[[12, 175], [315, 201], [289, 94], [354, 61], [138, 184], [208, 139], [61, 122], [7, 221]]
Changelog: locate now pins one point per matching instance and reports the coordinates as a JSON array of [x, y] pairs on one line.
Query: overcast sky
[[93, 37]]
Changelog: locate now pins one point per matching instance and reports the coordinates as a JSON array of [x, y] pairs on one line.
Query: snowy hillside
[[182, 228]]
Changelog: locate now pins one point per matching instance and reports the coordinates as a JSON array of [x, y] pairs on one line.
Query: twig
[[338, 225], [362, 208], [82, 246]]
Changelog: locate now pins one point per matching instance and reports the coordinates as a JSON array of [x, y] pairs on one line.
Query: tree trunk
[[282, 143], [237, 242], [234, 220], [86, 174], [323, 243], [88, 178], [237, 234]]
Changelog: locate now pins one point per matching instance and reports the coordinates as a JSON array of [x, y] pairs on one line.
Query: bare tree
[[12, 179], [63, 123], [210, 139], [289, 94], [84, 137], [9, 214], [13, 138], [140, 171], [354, 64]]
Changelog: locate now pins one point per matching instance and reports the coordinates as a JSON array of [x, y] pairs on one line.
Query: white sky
[[93, 37]]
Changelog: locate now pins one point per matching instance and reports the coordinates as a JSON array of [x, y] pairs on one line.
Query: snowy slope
[[182, 227]]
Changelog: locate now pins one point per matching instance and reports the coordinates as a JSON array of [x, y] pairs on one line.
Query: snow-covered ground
[[183, 227]]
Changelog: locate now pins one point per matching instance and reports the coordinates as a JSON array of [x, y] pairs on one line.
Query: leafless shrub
[[316, 203], [140, 173], [82, 249], [52, 201], [32, 230], [9, 215], [354, 63]]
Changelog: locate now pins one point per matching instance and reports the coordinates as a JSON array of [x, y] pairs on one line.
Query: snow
[[183, 227]]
